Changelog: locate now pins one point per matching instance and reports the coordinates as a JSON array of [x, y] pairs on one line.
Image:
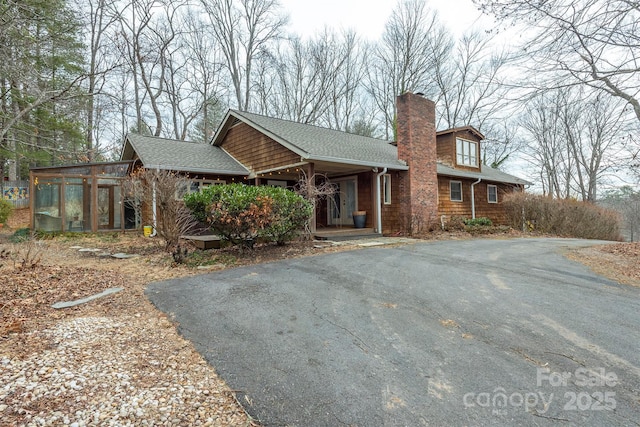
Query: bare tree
[[204, 65], [470, 83], [503, 140], [626, 201], [316, 81], [547, 148], [243, 28], [347, 105], [413, 42], [295, 80], [576, 141], [149, 39], [100, 19], [590, 42]]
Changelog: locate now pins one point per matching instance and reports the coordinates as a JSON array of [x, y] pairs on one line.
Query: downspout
[[379, 200], [473, 199], [154, 210]]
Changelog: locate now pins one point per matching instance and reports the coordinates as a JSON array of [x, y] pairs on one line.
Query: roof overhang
[[505, 178], [471, 129], [195, 170]]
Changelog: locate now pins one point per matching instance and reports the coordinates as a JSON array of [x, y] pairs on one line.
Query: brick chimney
[[416, 141]]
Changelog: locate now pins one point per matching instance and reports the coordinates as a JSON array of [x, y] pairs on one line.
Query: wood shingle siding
[[365, 196], [391, 214], [446, 148], [255, 150], [493, 211]]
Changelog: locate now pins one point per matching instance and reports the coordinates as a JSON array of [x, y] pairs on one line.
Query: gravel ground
[[115, 361], [99, 371]]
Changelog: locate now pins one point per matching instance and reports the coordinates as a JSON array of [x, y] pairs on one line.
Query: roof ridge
[[164, 139], [309, 124]]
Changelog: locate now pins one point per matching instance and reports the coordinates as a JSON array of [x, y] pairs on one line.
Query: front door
[[343, 202]]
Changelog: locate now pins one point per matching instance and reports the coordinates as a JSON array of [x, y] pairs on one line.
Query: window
[[455, 190], [195, 186], [277, 183], [466, 152], [492, 193], [387, 188]]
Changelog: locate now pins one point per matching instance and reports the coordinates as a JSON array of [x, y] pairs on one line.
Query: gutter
[[395, 166], [378, 200], [473, 199]]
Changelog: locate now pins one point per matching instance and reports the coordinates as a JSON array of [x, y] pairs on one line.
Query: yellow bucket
[[147, 230]]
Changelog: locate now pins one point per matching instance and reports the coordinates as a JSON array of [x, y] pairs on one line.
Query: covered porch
[[355, 191]]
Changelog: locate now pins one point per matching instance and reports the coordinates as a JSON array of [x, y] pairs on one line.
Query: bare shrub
[[26, 253], [562, 217], [174, 219], [314, 189], [455, 223]]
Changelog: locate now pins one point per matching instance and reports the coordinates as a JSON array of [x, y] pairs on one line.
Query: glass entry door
[[109, 205], [343, 202]]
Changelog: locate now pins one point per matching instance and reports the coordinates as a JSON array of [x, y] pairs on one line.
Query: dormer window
[[466, 152]]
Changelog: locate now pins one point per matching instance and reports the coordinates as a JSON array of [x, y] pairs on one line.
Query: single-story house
[[403, 186], [421, 179]]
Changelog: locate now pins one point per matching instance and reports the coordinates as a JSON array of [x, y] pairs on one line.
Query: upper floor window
[[466, 152]]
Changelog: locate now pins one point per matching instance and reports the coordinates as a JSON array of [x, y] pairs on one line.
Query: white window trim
[[386, 188], [488, 193], [451, 192], [465, 143]]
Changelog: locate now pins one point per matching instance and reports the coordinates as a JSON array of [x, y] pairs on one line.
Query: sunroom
[[85, 197]]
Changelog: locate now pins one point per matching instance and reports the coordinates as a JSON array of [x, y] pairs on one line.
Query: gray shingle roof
[[487, 174], [321, 144], [170, 154]]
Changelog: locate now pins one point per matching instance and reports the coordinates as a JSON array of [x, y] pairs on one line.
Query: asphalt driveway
[[476, 332]]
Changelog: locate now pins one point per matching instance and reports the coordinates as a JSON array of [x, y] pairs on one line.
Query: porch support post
[[311, 183]]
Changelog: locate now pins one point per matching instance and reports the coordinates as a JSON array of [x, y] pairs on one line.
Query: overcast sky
[[368, 17]]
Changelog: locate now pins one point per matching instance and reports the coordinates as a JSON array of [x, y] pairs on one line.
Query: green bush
[[478, 222], [5, 210], [241, 214], [290, 212], [561, 217]]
